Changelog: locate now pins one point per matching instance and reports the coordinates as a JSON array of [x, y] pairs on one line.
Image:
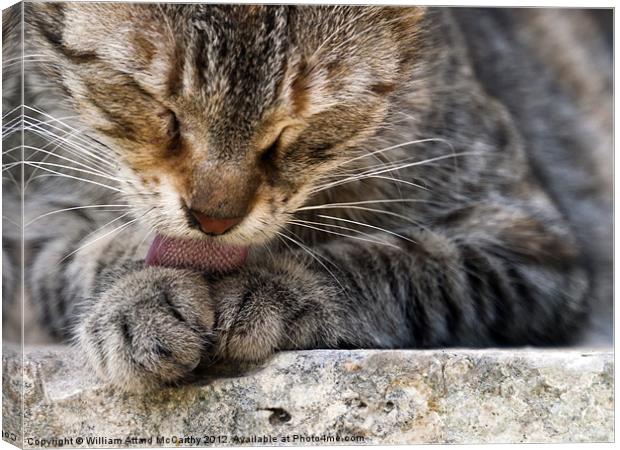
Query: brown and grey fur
[[495, 230]]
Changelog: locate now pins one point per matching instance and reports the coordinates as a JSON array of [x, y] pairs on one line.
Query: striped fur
[[469, 242]]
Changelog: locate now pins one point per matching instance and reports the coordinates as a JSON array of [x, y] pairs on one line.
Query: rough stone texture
[[384, 397]]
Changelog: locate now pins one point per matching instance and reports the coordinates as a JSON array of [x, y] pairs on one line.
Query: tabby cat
[[323, 177]]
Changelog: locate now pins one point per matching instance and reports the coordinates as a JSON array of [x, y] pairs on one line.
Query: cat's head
[[226, 116]]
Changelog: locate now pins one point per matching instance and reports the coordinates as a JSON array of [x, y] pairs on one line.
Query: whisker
[[307, 225], [77, 134], [11, 165], [90, 172], [381, 177], [363, 202], [380, 211], [367, 225], [148, 233], [86, 180], [69, 140], [4, 152], [76, 208], [314, 256], [31, 55], [11, 221], [77, 131], [403, 144], [94, 169], [16, 108], [12, 178], [115, 230], [16, 61], [400, 167]]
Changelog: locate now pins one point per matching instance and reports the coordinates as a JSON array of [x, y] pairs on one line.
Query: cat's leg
[[66, 256], [491, 275], [488, 274], [151, 326], [137, 327]]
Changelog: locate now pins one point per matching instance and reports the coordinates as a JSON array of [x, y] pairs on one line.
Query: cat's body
[[488, 234]]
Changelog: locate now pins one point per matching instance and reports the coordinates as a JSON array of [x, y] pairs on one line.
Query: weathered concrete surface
[[384, 397]]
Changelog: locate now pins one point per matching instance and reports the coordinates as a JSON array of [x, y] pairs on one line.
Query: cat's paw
[[149, 329], [256, 316]]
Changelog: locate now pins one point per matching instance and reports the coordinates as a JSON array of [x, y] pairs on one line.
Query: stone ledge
[[386, 397]]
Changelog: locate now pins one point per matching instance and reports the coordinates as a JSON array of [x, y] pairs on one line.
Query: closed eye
[[283, 142], [269, 153], [173, 124], [174, 132]]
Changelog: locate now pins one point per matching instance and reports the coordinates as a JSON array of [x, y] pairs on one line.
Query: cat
[[389, 177]]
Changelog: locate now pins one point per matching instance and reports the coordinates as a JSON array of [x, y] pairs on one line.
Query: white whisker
[[362, 202], [77, 208], [367, 225], [93, 169], [400, 167], [308, 224], [89, 172], [313, 255], [403, 144], [86, 180], [115, 230]]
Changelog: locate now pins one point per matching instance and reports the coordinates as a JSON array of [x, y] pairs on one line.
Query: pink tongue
[[197, 254]]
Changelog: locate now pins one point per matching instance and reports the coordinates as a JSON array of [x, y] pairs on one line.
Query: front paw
[[262, 311], [149, 329]]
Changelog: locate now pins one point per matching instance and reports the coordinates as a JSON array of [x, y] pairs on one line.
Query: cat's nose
[[211, 225]]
